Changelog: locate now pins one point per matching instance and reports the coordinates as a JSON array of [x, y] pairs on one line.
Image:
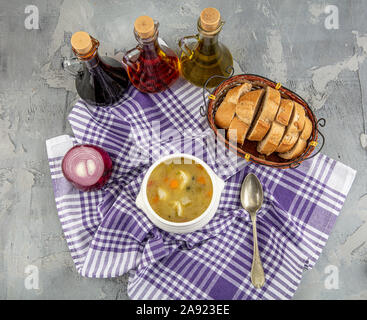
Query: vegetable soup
[[179, 191]]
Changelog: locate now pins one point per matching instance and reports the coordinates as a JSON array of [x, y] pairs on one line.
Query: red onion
[[87, 167]]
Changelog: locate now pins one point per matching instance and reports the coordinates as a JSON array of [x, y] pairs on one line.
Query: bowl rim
[[209, 171], [253, 78]]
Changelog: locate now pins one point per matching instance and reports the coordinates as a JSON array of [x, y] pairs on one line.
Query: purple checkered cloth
[[109, 236]]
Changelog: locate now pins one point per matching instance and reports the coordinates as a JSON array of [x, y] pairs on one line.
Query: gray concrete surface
[[282, 39]]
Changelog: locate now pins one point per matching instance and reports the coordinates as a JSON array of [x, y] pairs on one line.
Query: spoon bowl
[[252, 197]]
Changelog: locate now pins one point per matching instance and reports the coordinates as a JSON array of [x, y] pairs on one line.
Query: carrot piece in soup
[[155, 199], [201, 180], [173, 184]]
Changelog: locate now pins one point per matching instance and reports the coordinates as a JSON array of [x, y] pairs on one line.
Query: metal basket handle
[[204, 108]]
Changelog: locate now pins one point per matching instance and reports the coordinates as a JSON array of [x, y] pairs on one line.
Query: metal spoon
[[251, 199]]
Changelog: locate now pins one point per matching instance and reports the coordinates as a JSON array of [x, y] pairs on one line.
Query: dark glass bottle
[[102, 80]]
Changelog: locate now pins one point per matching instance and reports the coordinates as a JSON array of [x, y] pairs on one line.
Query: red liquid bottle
[[151, 67]]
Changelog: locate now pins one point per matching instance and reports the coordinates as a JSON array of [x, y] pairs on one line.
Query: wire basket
[[248, 150]]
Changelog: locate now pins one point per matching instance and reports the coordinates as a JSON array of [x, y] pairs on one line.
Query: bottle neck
[[208, 44], [91, 59], [94, 62], [150, 48]]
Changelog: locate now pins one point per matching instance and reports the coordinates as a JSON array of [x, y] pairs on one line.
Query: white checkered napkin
[[108, 236]]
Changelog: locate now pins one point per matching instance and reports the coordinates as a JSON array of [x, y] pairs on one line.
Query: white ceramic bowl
[[180, 227]]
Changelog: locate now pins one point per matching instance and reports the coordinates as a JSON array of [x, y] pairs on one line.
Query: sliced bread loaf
[[293, 130], [237, 131], [265, 115]]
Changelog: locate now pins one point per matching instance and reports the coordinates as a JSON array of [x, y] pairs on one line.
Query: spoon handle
[[257, 271]]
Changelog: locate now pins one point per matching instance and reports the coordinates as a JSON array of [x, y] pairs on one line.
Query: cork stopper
[[144, 26], [209, 19], [81, 42]]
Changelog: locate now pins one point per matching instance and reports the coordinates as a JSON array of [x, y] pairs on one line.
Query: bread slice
[[237, 131], [227, 109], [293, 130], [295, 151], [266, 115], [285, 111], [235, 93], [271, 141], [225, 114], [301, 144], [248, 105], [307, 129]]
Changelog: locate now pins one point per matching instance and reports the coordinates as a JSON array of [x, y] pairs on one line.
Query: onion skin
[[104, 176]]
